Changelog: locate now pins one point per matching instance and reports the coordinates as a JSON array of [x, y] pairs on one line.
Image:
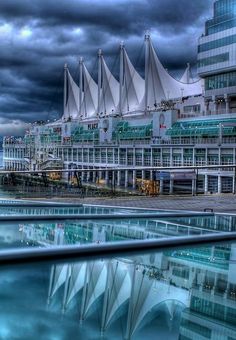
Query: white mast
[[99, 79], [65, 87], [121, 74], [147, 50], [188, 73], [80, 85]]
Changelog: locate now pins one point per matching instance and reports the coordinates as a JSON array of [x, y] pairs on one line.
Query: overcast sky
[[39, 36]]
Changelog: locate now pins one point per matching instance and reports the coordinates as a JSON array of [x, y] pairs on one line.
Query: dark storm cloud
[[38, 37]]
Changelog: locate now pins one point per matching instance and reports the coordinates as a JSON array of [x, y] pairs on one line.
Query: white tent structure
[[159, 84], [109, 89], [71, 97], [132, 85], [187, 77], [90, 94], [131, 93]]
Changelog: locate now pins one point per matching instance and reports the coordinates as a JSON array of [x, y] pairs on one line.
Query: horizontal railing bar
[[33, 218], [150, 168], [41, 205], [126, 248]]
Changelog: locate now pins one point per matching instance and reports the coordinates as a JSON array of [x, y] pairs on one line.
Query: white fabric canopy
[[133, 87], [72, 103], [109, 91], [90, 98]]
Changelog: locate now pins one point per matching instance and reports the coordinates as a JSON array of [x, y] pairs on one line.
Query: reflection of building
[[194, 289], [196, 285], [158, 121], [212, 312], [123, 287], [87, 231]]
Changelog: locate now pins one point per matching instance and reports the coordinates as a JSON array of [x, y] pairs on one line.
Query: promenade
[[218, 203]]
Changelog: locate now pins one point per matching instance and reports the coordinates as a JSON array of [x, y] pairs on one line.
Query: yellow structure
[[148, 187]]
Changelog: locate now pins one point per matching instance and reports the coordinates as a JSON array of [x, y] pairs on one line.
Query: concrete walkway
[[219, 203]]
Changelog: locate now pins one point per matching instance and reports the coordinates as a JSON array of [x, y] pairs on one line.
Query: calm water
[[166, 293]]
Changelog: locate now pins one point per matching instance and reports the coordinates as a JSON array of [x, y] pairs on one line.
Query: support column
[[82, 175], [214, 104], [233, 190], [219, 184], [171, 186], [94, 176], [194, 181], [99, 175], [151, 175], [194, 157], [118, 178], [143, 174], [106, 177], [134, 179], [206, 184], [171, 156], [226, 103], [126, 178], [161, 186]]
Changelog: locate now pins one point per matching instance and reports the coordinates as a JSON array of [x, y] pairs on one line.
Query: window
[[231, 39], [220, 58], [192, 108], [220, 81]]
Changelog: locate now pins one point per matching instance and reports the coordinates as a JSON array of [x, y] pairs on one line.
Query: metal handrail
[[137, 168], [126, 248], [59, 217]]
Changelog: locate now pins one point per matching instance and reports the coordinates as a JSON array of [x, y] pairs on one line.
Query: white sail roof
[[90, 97], [109, 91], [119, 288], [162, 86], [95, 284], [133, 87], [187, 77], [76, 283], [72, 100]]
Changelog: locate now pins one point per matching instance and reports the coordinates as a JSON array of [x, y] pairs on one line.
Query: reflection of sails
[[116, 283]]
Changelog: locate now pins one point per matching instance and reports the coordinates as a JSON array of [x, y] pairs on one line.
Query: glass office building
[[217, 55]]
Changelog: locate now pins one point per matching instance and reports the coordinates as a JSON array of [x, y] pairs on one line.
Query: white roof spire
[[90, 98], [160, 85], [187, 76], [110, 90], [71, 97], [133, 86]]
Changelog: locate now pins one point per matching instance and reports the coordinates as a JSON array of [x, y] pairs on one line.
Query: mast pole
[[65, 88], [147, 52], [80, 85], [121, 74], [99, 79]]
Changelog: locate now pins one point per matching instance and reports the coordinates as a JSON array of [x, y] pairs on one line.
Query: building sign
[[162, 175], [183, 175]]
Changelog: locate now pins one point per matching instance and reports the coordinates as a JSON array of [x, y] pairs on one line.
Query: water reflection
[[169, 294], [101, 231], [189, 296], [15, 210]]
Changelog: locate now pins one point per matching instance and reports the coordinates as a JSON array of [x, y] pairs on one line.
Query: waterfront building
[[136, 122]]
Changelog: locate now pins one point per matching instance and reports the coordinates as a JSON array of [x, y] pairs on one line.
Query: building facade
[[136, 122]]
